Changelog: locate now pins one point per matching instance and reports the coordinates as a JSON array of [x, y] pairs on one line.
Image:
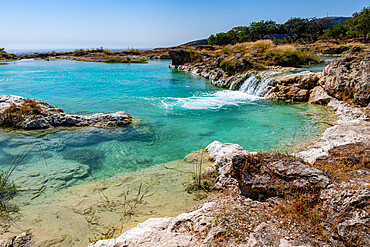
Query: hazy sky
[[36, 24]]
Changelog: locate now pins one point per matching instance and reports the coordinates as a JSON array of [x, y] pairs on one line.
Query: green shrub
[[108, 52], [126, 60]]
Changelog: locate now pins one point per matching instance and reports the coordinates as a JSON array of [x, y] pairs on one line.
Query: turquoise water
[[175, 113]]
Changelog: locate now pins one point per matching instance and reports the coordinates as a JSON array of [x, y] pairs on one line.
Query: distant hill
[[335, 20], [197, 42]]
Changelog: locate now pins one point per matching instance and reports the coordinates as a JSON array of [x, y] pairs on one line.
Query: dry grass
[[303, 208], [28, 107], [345, 159], [249, 55]]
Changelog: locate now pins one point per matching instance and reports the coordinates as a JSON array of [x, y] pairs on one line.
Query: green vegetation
[[298, 29], [130, 52], [126, 60], [241, 57], [7, 192], [4, 55], [8, 189], [201, 182], [358, 26], [295, 29]]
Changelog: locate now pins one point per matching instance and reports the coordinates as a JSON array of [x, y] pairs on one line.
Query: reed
[[8, 189]]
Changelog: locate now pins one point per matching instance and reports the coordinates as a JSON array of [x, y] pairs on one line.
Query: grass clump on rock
[[15, 114]]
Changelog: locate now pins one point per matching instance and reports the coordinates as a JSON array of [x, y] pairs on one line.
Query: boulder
[[348, 79], [223, 154], [304, 80], [17, 112], [319, 96], [261, 176], [288, 93], [23, 239], [294, 87], [180, 57]]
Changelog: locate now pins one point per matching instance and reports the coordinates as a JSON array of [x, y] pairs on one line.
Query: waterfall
[[258, 84]]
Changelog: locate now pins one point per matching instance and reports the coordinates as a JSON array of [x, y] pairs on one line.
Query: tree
[[359, 24], [295, 27], [316, 28], [336, 32], [258, 30], [244, 34], [219, 39]]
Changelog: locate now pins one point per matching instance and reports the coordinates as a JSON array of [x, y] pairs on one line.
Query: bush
[[126, 60], [108, 52], [244, 56], [79, 52], [262, 45]]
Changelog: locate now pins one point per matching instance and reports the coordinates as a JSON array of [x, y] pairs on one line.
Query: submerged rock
[[17, 112]]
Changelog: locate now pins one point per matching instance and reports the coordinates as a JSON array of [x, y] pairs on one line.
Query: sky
[[120, 24]]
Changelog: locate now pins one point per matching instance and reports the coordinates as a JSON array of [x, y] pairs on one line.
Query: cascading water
[[258, 84]]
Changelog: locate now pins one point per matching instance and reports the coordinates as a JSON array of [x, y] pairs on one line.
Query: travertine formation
[[17, 112]]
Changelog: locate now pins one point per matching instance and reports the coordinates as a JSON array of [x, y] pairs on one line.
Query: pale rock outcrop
[[348, 78], [166, 231], [347, 212], [223, 154], [319, 96], [294, 87], [304, 80], [266, 234], [352, 127]]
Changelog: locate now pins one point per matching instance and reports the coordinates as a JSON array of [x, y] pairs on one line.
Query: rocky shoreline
[[20, 113], [316, 197]]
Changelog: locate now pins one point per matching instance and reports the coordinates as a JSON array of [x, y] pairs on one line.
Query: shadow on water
[[91, 157], [7, 159]]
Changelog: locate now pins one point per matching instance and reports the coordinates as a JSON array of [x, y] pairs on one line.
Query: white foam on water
[[210, 101]]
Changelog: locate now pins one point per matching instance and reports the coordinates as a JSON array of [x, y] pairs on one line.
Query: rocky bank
[[18, 112]]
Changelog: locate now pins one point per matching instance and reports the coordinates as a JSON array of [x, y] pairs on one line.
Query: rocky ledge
[[21, 113]]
